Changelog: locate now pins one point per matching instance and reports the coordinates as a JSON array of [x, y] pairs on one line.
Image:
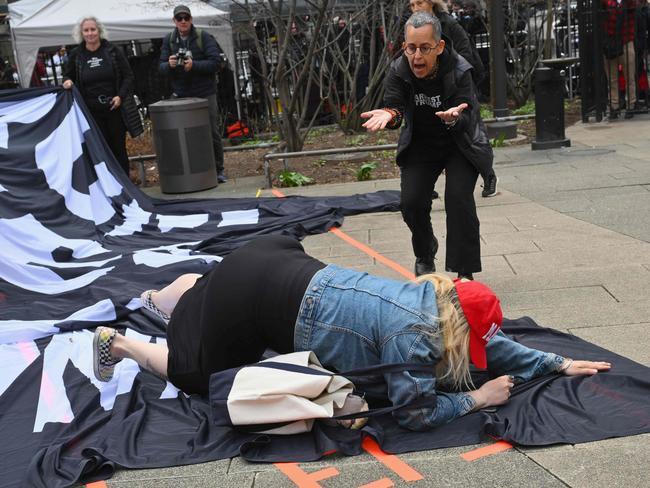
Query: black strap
[[360, 372], [420, 402]]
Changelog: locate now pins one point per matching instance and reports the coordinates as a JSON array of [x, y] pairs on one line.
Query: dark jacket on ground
[[469, 133], [123, 82], [200, 81]]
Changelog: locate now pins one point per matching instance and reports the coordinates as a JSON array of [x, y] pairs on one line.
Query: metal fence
[[613, 53]]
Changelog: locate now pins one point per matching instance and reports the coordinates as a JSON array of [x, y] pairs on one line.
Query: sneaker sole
[[95, 358]]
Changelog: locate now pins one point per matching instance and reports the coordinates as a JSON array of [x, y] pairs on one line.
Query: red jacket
[[626, 8]]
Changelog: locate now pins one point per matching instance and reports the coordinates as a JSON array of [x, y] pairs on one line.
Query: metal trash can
[[183, 140]]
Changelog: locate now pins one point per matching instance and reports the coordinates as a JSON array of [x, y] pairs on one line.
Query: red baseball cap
[[482, 310]]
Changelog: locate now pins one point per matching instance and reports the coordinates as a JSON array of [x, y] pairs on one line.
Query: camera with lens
[[183, 55]]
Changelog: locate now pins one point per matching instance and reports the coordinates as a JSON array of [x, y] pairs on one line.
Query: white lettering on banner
[[494, 328], [422, 99], [53, 402], [24, 112]]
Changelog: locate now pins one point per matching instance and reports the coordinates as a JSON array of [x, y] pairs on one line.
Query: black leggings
[[417, 182]]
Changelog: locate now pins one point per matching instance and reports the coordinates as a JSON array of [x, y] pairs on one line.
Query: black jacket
[[462, 44], [469, 133], [123, 82], [200, 81]]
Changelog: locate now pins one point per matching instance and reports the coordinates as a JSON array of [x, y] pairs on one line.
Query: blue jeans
[[351, 320]]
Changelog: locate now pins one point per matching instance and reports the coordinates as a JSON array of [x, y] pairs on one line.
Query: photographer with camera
[[190, 57]]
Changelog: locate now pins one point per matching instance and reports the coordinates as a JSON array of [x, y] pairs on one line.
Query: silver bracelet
[[565, 366]]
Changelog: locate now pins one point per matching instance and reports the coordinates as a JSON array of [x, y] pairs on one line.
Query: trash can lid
[[176, 104]]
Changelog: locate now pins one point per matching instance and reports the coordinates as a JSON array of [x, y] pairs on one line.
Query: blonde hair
[[453, 368], [77, 32]]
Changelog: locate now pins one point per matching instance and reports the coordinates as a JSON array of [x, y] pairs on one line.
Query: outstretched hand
[[578, 368], [377, 119], [451, 115]]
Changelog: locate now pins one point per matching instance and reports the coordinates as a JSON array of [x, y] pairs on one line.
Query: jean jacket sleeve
[[505, 356], [405, 387]]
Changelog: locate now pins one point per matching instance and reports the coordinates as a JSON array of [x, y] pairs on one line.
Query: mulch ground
[[249, 163]]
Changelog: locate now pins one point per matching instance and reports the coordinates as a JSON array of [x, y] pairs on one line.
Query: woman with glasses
[[430, 88], [102, 74]]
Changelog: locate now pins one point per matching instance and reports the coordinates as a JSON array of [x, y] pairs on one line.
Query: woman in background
[[102, 74]]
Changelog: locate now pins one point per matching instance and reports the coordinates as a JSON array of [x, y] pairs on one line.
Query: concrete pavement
[[567, 242]]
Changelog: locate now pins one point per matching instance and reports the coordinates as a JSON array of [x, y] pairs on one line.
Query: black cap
[[182, 9]]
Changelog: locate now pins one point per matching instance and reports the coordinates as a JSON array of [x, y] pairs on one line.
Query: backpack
[[199, 40]]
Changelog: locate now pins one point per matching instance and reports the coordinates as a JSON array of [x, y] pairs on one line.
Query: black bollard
[[549, 109]]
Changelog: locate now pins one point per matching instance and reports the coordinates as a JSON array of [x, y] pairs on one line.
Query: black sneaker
[[424, 266], [628, 114], [613, 114], [221, 178], [490, 187]]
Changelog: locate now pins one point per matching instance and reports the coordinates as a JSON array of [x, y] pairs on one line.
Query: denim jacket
[[351, 320]]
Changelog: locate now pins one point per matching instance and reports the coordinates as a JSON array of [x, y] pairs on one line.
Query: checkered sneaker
[[147, 302], [103, 362]]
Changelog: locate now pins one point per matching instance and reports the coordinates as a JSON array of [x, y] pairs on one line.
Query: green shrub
[[526, 109], [364, 173], [357, 140], [498, 141], [486, 111], [293, 178]]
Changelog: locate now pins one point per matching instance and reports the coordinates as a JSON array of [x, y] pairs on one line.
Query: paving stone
[[629, 340], [614, 463]]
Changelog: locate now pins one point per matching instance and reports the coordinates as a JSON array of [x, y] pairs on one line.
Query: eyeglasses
[[424, 50], [182, 18]]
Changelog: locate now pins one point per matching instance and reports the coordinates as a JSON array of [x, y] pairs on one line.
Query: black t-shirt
[[428, 129], [97, 78]]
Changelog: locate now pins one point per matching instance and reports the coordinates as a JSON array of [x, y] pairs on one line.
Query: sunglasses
[[182, 18]]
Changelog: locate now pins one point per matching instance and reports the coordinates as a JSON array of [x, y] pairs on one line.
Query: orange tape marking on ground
[[372, 253], [495, 448], [382, 483], [304, 479], [362, 247], [96, 484], [392, 462]]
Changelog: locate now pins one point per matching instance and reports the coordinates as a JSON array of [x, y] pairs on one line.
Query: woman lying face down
[[270, 294]]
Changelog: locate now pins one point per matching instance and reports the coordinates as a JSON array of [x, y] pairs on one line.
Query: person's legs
[[117, 139], [217, 144], [611, 70], [463, 242], [167, 298], [416, 191], [629, 71], [152, 357], [110, 347]]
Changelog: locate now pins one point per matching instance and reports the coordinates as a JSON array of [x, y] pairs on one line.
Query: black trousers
[[114, 131], [217, 143], [417, 182]]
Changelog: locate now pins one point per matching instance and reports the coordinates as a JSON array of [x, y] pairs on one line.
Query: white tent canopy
[[40, 23]]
